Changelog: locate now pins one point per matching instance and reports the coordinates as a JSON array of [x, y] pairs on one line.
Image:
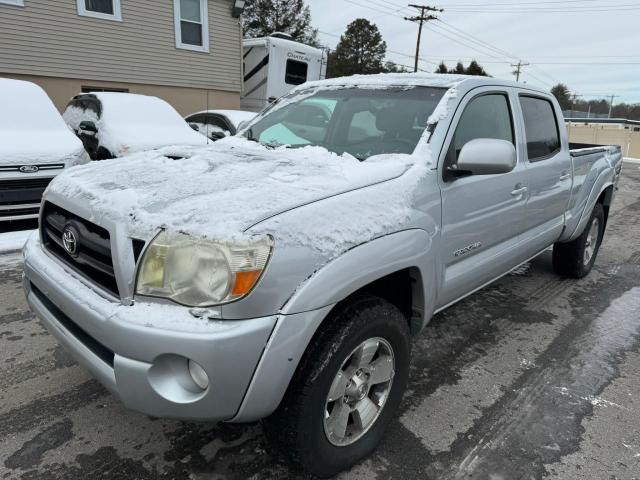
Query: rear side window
[[296, 73], [541, 128], [487, 116]]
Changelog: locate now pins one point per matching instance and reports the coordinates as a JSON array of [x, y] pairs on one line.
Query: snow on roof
[[391, 80], [235, 116], [133, 123], [31, 129]]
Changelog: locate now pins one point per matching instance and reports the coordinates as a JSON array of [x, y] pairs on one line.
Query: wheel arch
[[403, 274]]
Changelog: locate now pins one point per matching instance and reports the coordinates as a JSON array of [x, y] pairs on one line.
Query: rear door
[[550, 171], [482, 215]]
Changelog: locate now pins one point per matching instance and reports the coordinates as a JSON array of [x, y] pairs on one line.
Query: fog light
[[198, 375]]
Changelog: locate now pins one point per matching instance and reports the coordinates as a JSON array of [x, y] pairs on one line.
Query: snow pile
[[31, 129], [222, 190], [133, 123], [12, 241]]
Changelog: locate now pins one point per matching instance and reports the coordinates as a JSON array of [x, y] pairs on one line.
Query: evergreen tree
[[474, 68], [361, 50], [442, 68], [460, 70], [563, 95], [266, 17]]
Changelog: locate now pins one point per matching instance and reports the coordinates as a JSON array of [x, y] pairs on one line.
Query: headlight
[[198, 272]]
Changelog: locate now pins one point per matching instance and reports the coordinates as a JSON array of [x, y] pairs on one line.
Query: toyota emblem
[[70, 241]]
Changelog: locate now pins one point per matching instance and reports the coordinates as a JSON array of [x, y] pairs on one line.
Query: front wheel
[[346, 389], [575, 259]]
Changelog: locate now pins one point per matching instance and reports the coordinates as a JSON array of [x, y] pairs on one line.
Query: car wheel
[[575, 259], [346, 389]]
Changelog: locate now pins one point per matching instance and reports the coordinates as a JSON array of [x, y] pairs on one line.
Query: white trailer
[[272, 66]]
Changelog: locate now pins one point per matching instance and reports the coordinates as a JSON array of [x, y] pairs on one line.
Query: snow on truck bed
[[132, 123], [231, 185], [31, 129]]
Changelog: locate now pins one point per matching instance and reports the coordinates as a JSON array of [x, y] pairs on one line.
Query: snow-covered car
[[217, 124], [114, 124], [35, 145]]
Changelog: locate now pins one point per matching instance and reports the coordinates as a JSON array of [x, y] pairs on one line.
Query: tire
[[575, 259], [298, 428]]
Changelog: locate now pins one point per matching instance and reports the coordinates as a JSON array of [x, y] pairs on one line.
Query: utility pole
[[574, 97], [518, 69], [421, 19], [611, 104]]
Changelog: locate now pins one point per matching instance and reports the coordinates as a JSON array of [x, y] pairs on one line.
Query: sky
[[593, 46]]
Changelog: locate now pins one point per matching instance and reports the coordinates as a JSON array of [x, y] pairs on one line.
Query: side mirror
[[194, 126], [216, 136], [487, 156], [87, 128], [242, 124]]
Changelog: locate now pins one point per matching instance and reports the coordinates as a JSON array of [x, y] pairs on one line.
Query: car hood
[[217, 191], [40, 148]]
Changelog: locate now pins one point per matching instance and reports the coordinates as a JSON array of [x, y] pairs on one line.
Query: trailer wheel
[[575, 259]]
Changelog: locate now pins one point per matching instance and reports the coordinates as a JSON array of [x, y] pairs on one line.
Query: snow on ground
[[12, 241]]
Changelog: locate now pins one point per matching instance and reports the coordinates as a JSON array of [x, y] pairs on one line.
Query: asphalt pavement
[[533, 377]]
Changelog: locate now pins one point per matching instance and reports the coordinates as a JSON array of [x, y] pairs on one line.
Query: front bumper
[[140, 352]]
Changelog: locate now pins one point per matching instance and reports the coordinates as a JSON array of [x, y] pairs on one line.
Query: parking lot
[[533, 376]]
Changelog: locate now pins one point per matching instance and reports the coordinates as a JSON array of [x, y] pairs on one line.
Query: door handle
[[519, 191], [565, 176]]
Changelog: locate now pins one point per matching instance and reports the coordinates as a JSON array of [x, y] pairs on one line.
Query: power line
[[422, 19]]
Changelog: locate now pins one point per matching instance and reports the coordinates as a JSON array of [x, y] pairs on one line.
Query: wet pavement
[[533, 377]]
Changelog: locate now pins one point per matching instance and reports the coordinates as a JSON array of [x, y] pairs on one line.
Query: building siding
[[49, 38]]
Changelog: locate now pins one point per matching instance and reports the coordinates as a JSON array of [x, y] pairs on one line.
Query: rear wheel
[[575, 259], [346, 389]]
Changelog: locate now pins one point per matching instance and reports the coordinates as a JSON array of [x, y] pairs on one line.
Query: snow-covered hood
[[220, 190], [40, 147]]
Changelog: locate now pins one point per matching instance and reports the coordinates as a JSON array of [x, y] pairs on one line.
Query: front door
[[482, 215]]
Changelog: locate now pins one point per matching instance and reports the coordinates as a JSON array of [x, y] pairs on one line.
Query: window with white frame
[[104, 9], [192, 25], [19, 3]]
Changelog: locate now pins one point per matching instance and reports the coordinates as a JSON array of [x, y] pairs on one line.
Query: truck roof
[[418, 79]]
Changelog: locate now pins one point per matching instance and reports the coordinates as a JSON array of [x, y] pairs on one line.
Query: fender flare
[[601, 184], [305, 311]]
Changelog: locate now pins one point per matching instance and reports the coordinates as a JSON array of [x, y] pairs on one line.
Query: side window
[[296, 72], [487, 116], [541, 128]]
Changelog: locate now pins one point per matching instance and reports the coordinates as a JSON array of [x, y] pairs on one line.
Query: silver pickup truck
[[280, 274]]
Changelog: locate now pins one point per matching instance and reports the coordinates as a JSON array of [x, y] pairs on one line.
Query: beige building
[[187, 52], [625, 133]]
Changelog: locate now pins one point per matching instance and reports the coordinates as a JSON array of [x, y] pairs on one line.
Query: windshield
[[360, 121]]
